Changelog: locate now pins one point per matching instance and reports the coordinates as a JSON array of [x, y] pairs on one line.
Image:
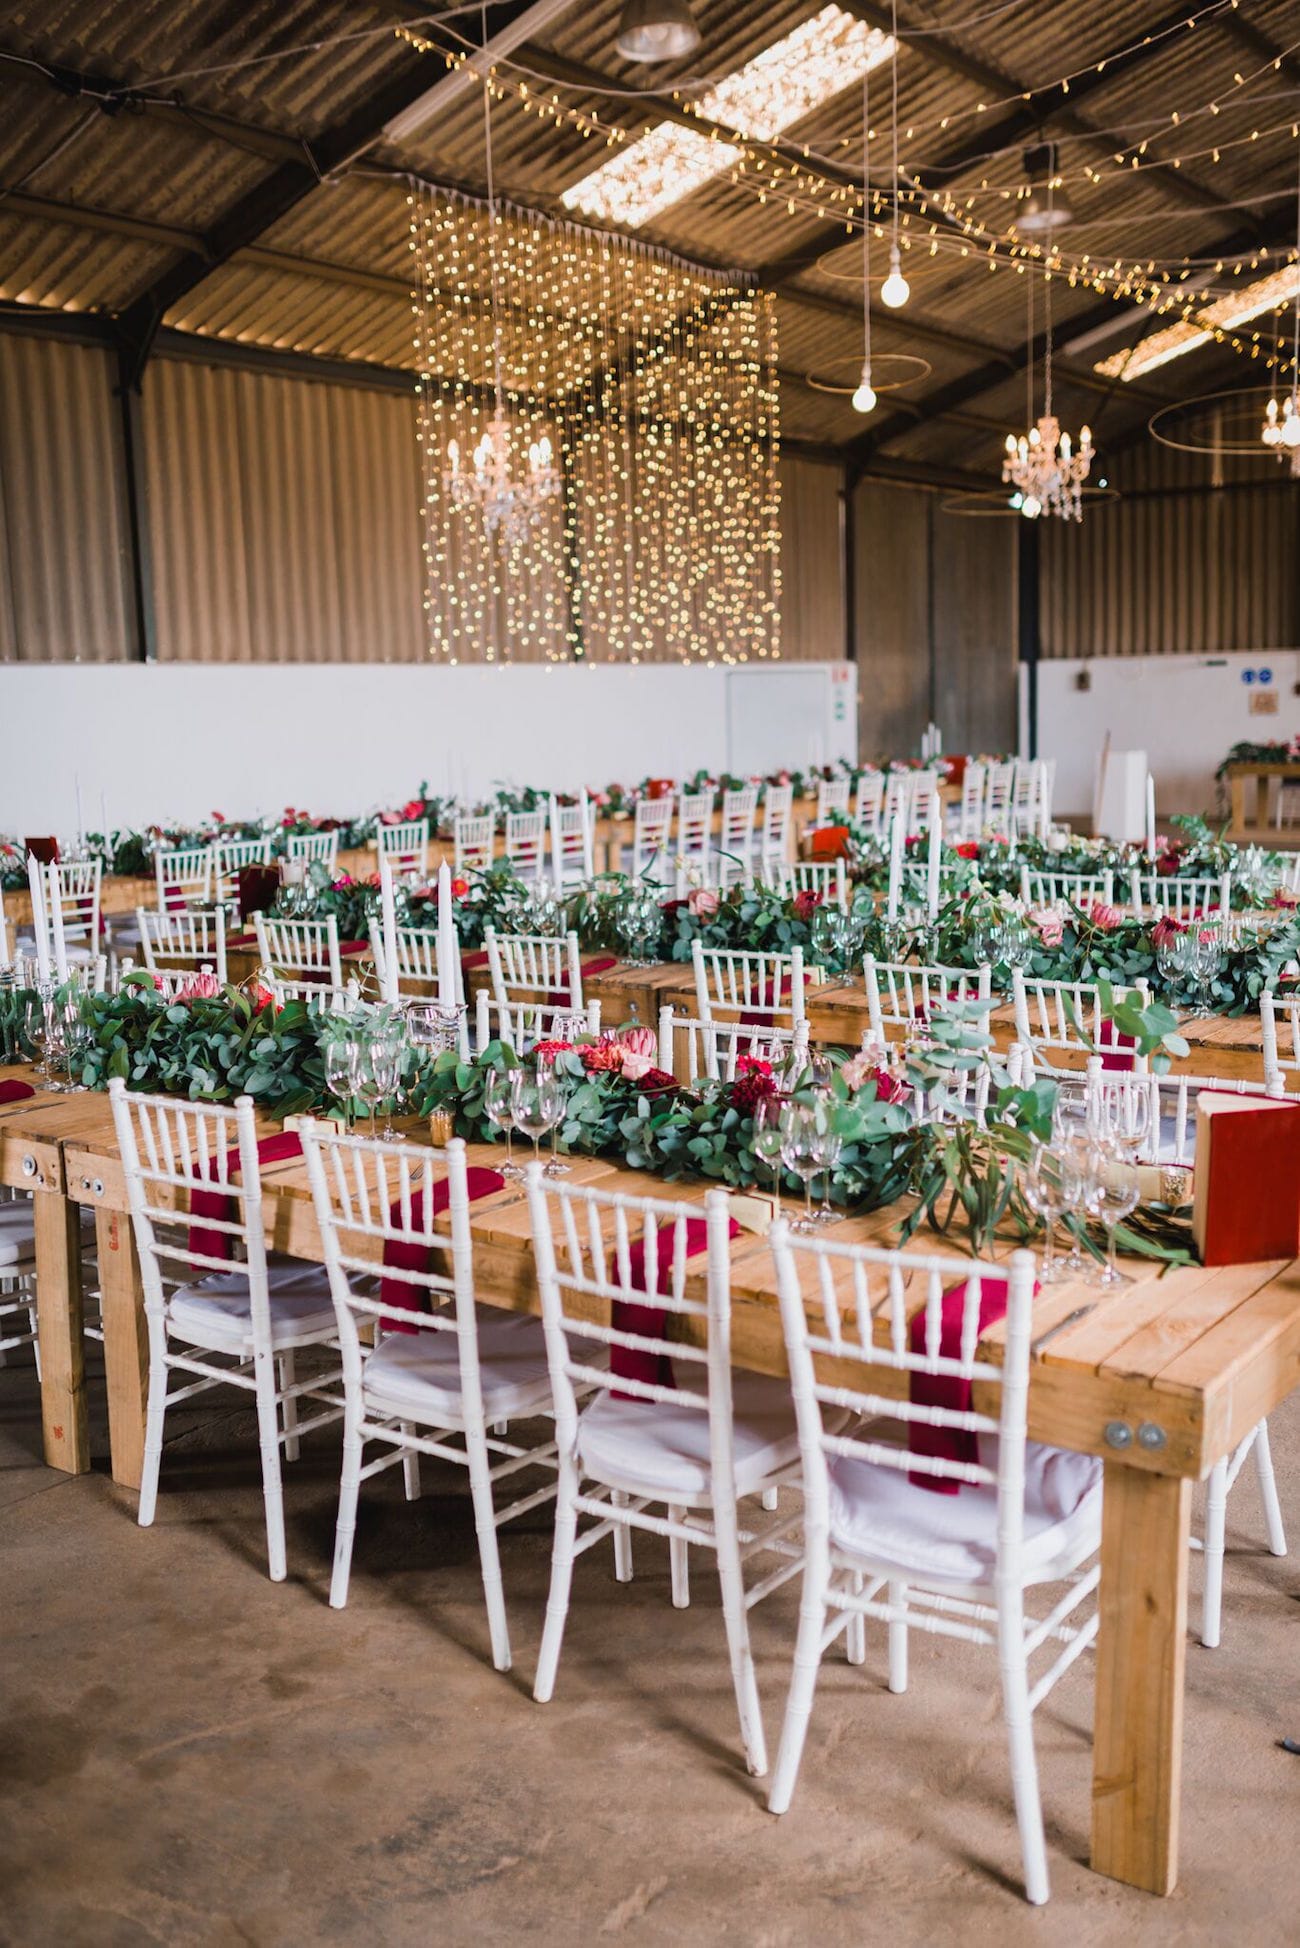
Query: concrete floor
[[192, 1755]]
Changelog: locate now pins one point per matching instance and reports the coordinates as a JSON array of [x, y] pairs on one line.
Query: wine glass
[[801, 1152], [498, 1107], [384, 1060], [342, 1058], [830, 1142], [49, 1031], [767, 1139], [546, 1066], [537, 1103], [1114, 1191], [1076, 1151], [1050, 1191], [368, 1085], [78, 1041], [1123, 1112], [1206, 956]]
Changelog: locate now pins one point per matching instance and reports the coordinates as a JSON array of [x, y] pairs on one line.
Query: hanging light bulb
[[1291, 425], [656, 30], [864, 399], [895, 291]]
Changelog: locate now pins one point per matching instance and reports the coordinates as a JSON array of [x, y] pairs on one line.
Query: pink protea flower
[[199, 987], [639, 1040], [1104, 918]]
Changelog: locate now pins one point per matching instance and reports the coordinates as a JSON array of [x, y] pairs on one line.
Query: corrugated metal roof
[[224, 91]]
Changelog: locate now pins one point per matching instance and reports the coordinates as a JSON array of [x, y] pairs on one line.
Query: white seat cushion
[[17, 1235], [660, 1450], [877, 1514], [417, 1375], [216, 1312]]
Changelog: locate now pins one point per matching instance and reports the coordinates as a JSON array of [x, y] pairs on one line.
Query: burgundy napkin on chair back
[[654, 1369], [414, 1254], [1115, 1055], [588, 970], [45, 851], [951, 1391], [259, 888], [220, 1206]]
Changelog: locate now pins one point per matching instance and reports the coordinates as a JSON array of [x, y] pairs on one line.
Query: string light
[[655, 382]]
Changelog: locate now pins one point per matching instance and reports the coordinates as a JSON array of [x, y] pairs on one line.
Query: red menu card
[[1247, 1200]]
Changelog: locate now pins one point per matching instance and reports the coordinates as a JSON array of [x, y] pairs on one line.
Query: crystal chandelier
[[509, 505], [1282, 436], [1043, 467]]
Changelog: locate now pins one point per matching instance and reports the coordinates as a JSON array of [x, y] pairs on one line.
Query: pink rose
[[634, 1064], [1047, 924], [1104, 918], [703, 902]]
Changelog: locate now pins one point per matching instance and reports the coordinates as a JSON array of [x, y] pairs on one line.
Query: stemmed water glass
[[537, 1102], [801, 1152], [78, 1041], [383, 1059], [1112, 1191], [342, 1060], [830, 1142], [1205, 958], [767, 1139], [498, 1107], [1051, 1189], [546, 1066], [1123, 1112]]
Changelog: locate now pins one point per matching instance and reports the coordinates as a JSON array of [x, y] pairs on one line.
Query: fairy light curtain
[[655, 382]]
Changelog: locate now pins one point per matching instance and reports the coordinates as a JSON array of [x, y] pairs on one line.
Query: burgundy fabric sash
[[14, 1090], [946, 1390], [654, 1369], [587, 970], [259, 888], [414, 1254], [1116, 1057], [755, 1016], [219, 1205]]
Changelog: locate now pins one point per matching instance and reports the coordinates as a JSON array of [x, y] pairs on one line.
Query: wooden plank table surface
[[1161, 1380]]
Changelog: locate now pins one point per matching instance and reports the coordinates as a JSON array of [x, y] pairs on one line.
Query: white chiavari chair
[[832, 801], [900, 995], [777, 825], [1026, 794], [1180, 896], [1054, 889], [1281, 1051], [522, 1024], [541, 969], [695, 1442], [414, 952], [217, 1305], [869, 800], [406, 848], [183, 876], [695, 832], [316, 996], [317, 848], [446, 1377], [1046, 792], [573, 857], [526, 844], [4, 932], [1289, 881], [651, 836], [1056, 1018], [691, 1049], [72, 895], [18, 1316], [999, 787], [229, 859], [879, 1542], [966, 819], [300, 949], [474, 842], [738, 834], [898, 800], [174, 942], [828, 877], [768, 990]]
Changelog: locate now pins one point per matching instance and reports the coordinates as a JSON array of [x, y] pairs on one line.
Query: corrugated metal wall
[[282, 515], [64, 587], [1191, 559], [934, 622]]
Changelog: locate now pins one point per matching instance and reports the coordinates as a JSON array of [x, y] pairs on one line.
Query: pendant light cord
[[893, 82], [866, 218], [1047, 290]]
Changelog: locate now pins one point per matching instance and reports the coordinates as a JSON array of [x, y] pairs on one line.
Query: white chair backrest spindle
[[474, 842], [406, 847], [692, 1049], [900, 994], [1052, 1016], [526, 844], [184, 942], [183, 877], [1052, 889], [869, 800], [229, 858], [1181, 896], [318, 848], [832, 801], [299, 948], [737, 837], [537, 968], [651, 836], [522, 1024], [777, 824], [695, 827], [573, 856]]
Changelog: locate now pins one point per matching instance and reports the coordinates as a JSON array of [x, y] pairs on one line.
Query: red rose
[[414, 808], [545, 1049], [806, 904], [968, 849], [262, 998], [655, 1080], [751, 1088], [1166, 930], [459, 888]]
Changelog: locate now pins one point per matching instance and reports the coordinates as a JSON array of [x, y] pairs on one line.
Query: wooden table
[[1161, 1380], [1248, 788]]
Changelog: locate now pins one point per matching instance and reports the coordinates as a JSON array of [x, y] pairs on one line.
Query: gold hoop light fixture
[[993, 503], [920, 371]]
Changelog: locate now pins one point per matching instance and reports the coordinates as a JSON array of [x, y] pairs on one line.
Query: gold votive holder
[[441, 1128]]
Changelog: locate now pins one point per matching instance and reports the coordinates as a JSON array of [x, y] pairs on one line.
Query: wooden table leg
[[126, 1344], [1141, 1654], [1237, 789], [59, 1318]]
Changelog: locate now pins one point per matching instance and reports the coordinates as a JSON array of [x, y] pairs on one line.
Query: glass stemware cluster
[[1089, 1170], [1191, 960]]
